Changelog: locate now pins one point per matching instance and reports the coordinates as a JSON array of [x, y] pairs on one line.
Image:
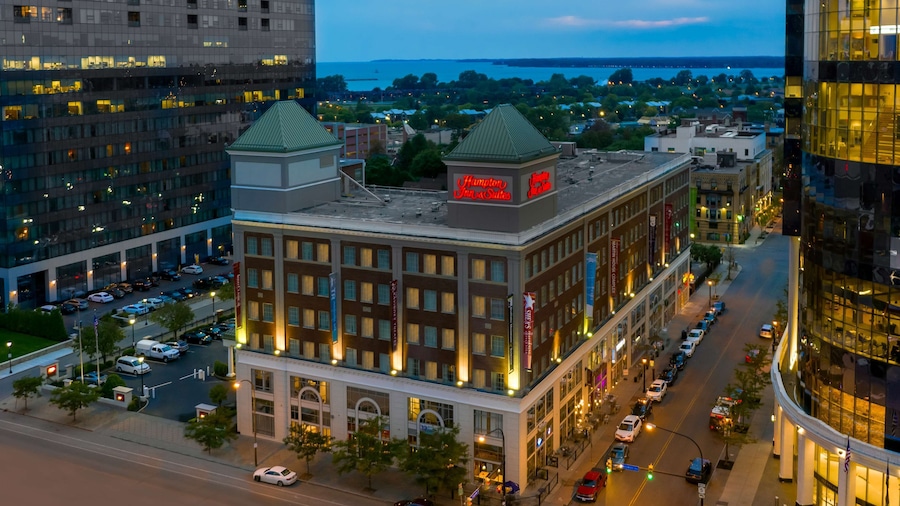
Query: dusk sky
[[364, 30]]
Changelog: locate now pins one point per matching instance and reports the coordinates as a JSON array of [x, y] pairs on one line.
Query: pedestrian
[[683, 335], [774, 345]]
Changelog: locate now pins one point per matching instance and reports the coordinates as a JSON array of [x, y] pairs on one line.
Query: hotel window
[[324, 320], [448, 339], [368, 360], [134, 19], [498, 271], [478, 378], [485, 421], [412, 262], [322, 253], [367, 328], [430, 302], [448, 302], [384, 294], [266, 248], [448, 373], [477, 269], [262, 380], [268, 312], [253, 310], [498, 346], [384, 330], [431, 371], [325, 352], [349, 289], [252, 246], [448, 268], [384, 362], [365, 257], [412, 333], [384, 259], [365, 292], [350, 357], [252, 278], [412, 367], [309, 349], [309, 318], [324, 287], [498, 381], [267, 280], [306, 250], [498, 309], [294, 316], [412, 298], [291, 249], [307, 284], [350, 324], [478, 306], [349, 255], [478, 343], [430, 336], [429, 264], [293, 283]]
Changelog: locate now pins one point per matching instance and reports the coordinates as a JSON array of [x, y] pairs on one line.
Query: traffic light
[[608, 466], [650, 472]]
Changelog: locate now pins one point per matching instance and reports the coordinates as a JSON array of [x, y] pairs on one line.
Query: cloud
[[640, 24]]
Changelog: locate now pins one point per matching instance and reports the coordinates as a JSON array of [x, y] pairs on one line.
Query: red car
[[592, 482]]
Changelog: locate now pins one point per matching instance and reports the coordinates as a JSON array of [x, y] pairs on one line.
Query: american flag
[[96, 322], [847, 457]]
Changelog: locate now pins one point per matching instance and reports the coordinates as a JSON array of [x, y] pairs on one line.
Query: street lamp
[[213, 295], [132, 321], [652, 368], [502, 461], [141, 367], [709, 284], [651, 426], [237, 385], [9, 354], [644, 375]]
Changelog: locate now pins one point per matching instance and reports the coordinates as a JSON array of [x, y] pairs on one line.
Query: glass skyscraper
[[115, 120]]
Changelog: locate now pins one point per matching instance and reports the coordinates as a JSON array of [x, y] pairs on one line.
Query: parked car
[[678, 359], [101, 297], [169, 275], [80, 303], [203, 283], [117, 293], [642, 408], [179, 344], [751, 355], [276, 475], [628, 429], [719, 306], [696, 336], [703, 324], [721, 411], [132, 365], [188, 292], [711, 317], [174, 295], [767, 331], [219, 281], [657, 390], [142, 285], [687, 347], [192, 269], [153, 302], [67, 308], [618, 456], [698, 471], [668, 375], [136, 309], [590, 485], [48, 308], [196, 337], [92, 378], [125, 287], [217, 260], [165, 298], [214, 331]]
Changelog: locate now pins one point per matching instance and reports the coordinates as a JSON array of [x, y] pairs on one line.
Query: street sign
[[629, 467], [701, 490]]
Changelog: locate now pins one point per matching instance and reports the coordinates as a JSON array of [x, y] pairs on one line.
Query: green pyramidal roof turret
[[503, 136], [286, 127]]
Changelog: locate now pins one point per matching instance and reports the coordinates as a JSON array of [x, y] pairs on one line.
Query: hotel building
[[115, 118], [506, 306], [837, 384]]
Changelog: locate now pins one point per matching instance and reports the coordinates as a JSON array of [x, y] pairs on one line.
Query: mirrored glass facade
[[114, 118]]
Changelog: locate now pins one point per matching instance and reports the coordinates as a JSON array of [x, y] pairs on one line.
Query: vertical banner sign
[[613, 265], [590, 274], [509, 314], [528, 328], [332, 293], [394, 333], [667, 230], [652, 241], [236, 269]]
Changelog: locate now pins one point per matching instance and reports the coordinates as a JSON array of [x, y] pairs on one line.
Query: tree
[[106, 341], [218, 394], [438, 462], [366, 452], [225, 292], [74, 397], [428, 164], [750, 379], [621, 76], [211, 431], [306, 442], [173, 316], [25, 387]]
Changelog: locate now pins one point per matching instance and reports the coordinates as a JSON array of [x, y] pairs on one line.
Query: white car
[[49, 308], [153, 303], [276, 475], [101, 297], [687, 347], [628, 429], [132, 365], [766, 331], [192, 269], [136, 309], [657, 390], [696, 336]]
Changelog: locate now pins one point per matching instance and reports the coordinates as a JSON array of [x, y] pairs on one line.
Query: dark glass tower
[[115, 119]]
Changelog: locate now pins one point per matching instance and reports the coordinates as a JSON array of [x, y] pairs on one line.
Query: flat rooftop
[[584, 183]]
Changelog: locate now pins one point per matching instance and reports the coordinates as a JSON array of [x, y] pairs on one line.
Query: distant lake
[[365, 76]]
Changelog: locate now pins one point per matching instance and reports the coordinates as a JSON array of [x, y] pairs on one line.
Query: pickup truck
[[155, 350]]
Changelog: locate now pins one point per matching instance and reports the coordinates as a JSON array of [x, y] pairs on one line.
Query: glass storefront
[[71, 281], [107, 269]]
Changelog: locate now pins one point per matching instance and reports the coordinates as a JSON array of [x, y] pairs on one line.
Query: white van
[[132, 365], [155, 349]]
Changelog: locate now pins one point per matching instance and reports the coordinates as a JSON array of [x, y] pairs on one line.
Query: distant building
[[358, 138]]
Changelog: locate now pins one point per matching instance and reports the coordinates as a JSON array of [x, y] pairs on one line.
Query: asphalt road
[[751, 301]]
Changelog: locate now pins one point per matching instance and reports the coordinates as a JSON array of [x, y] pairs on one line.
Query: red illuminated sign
[[481, 188], [539, 183], [614, 265]]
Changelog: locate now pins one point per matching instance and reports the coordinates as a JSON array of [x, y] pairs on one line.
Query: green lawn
[[22, 344]]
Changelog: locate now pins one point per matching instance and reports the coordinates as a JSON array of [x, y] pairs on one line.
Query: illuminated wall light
[[460, 383], [277, 352], [334, 361], [393, 372]]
